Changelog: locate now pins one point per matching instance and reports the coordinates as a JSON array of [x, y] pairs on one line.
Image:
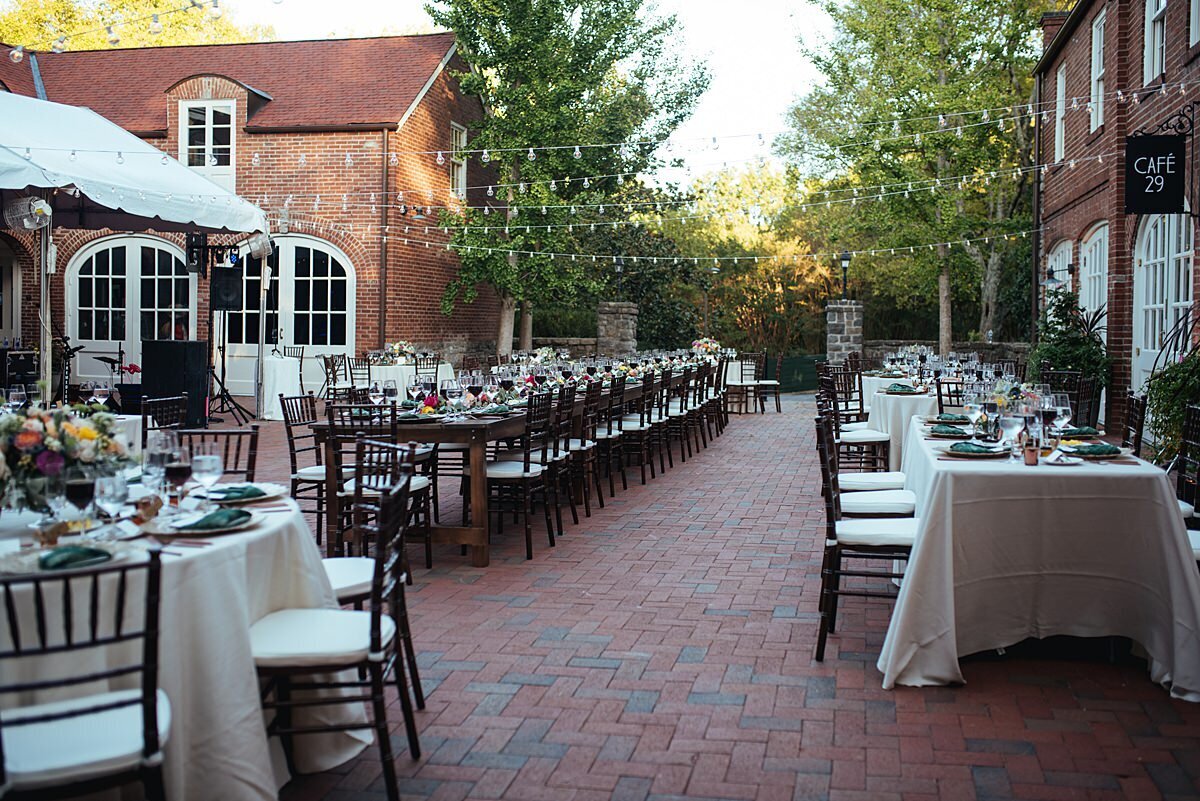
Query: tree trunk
[[990, 293], [504, 334], [526, 325], [945, 329]]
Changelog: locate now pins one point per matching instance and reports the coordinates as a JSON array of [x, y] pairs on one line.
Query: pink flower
[[431, 401], [50, 463]]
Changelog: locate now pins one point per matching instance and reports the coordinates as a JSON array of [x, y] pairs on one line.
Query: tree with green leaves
[[894, 72], [593, 86], [38, 24]]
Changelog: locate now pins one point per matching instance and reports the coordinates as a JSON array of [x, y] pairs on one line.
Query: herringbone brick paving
[[664, 650]]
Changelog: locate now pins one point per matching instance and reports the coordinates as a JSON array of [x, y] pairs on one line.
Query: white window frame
[[458, 161], [1162, 283], [1060, 113], [1059, 260], [1098, 31], [1194, 23], [223, 175], [1154, 59], [1093, 270]]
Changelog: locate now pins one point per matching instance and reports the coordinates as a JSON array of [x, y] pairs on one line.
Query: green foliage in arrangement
[[1070, 338]]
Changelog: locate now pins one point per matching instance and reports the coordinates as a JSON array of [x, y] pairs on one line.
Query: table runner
[[1005, 552]]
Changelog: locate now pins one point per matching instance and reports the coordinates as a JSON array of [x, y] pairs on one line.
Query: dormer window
[[206, 139]]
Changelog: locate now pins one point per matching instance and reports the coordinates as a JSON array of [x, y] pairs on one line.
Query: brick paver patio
[[664, 650]]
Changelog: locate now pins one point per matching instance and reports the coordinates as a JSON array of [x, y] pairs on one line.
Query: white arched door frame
[[1163, 269], [1093, 270], [1059, 260], [85, 366], [242, 355]]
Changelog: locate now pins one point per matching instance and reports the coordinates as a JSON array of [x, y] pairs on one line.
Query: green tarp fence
[[799, 372]]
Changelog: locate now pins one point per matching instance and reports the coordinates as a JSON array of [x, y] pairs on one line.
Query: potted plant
[[1168, 394], [1071, 338]]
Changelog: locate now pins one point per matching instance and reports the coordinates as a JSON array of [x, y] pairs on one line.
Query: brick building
[[339, 140], [1110, 69]]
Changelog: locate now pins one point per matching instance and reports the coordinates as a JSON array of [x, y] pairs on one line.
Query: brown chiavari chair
[[160, 414], [719, 408], [678, 409], [698, 419], [359, 371], [771, 387], [847, 381], [558, 462], [1067, 382], [345, 421], [238, 446], [517, 481], [470, 363], [861, 448], [1187, 466], [333, 365], [95, 739], [608, 435], [306, 455], [493, 361], [658, 428], [308, 657], [1086, 412], [1135, 422], [867, 539], [584, 448], [296, 352], [744, 391], [427, 368], [950, 396], [636, 429]]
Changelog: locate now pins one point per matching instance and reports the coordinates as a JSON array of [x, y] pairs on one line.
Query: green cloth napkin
[[68, 556], [408, 403], [1098, 449], [905, 388], [408, 416], [1081, 430], [945, 417], [950, 431], [971, 447], [222, 518], [241, 493], [498, 408]]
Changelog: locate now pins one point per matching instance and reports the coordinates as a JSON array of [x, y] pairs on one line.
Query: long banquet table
[[217, 748], [1006, 552]]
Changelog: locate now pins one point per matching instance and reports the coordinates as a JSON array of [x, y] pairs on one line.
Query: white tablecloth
[[891, 413], [1005, 552], [733, 372], [281, 374], [403, 373], [130, 427], [218, 747], [872, 384]]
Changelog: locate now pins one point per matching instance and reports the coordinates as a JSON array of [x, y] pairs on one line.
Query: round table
[[891, 415], [281, 376], [218, 747]]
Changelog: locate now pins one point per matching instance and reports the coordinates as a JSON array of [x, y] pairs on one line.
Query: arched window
[[310, 302], [1162, 287], [1093, 269], [1059, 260], [121, 290]]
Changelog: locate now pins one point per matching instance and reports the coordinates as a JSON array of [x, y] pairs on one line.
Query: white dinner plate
[[270, 489], [160, 527]]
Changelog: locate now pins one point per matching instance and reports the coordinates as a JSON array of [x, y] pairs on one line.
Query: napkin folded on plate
[[1079, 431], [222, 518], [408, 416], [946, 417], [971, 447], [408, 403], [950, 431], [240, 493], [1098, 449], [901, 388], [68, 556]]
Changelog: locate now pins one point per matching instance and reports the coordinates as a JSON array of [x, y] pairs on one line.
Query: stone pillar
[[843, 329], [616, 328]]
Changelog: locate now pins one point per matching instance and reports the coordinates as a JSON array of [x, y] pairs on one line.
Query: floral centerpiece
[[706, 347], [36, 444], [400, 349]]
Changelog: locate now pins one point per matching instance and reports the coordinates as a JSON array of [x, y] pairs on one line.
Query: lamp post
[[620, 268], [707, 286], [845, 260]]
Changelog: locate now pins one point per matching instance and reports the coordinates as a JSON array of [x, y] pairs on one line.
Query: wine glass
[[1011, 425], [112, 491], [1062, 408], [972, 407], [452, 391], [80, 488], [16, 397], [178, 470], [100, 393], [416, 390], [208, 465], [375, 394], [390, 390]]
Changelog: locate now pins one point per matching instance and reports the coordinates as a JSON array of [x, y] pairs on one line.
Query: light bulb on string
[[531, 155], [156, 27], [441, 159], [212, 159], [303, 160], [987, 115], [586, 183], [73, 157], [393, 160], [60, 44], [485, 157], [958, 132], [553, 185], [120, 157], [113, 38], [349, 161], [255, 160], [17, 54], [317, 203], [215, 10], [917, 139], [28, 154]]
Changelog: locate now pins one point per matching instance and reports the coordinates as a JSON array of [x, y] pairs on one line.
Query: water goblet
[[1011, 425], [208, 465], [112, 491], [1062, 408], [375, 394]]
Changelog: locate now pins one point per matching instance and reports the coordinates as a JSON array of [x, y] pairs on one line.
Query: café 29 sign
[[1154, 175]]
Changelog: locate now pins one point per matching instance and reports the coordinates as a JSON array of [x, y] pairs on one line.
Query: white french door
[[121, 290], [1162, 288], [10, 296]]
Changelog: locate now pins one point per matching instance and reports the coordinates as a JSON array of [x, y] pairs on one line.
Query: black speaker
[[225, 288], [172, 367]]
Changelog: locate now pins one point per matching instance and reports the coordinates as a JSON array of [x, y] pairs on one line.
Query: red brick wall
[[416, 275], [1073, 200]]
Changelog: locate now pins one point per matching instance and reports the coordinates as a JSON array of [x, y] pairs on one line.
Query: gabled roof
[[16, 78], [332, 83]]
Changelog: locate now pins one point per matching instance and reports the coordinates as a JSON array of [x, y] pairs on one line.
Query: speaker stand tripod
[[221, 401]]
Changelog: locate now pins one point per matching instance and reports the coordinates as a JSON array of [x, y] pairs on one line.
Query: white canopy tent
[[95, 174]]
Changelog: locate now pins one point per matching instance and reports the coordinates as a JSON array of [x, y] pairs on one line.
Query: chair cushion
[[880, 502], [74, 749], [864, 435], [304, 637], [602, 433], [894, 531], [575, 444], [855, 482], [417, 484], [859, 426], [512, 469], [349, 575], [1186, 509], [453, 446], [316, 472], [767, 382]]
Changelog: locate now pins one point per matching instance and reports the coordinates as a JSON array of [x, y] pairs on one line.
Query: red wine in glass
[[80, 492], [591, 369], [506, 384], [566, 374], [178, 473], [540, 379], [475, 389]]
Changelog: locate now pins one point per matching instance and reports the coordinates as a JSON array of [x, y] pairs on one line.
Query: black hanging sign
[[1154, 175]]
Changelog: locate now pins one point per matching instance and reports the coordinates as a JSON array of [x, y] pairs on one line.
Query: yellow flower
[[87, 432], [70, 428]]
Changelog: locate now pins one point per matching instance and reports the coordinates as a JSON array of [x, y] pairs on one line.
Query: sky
[[752, 49]]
